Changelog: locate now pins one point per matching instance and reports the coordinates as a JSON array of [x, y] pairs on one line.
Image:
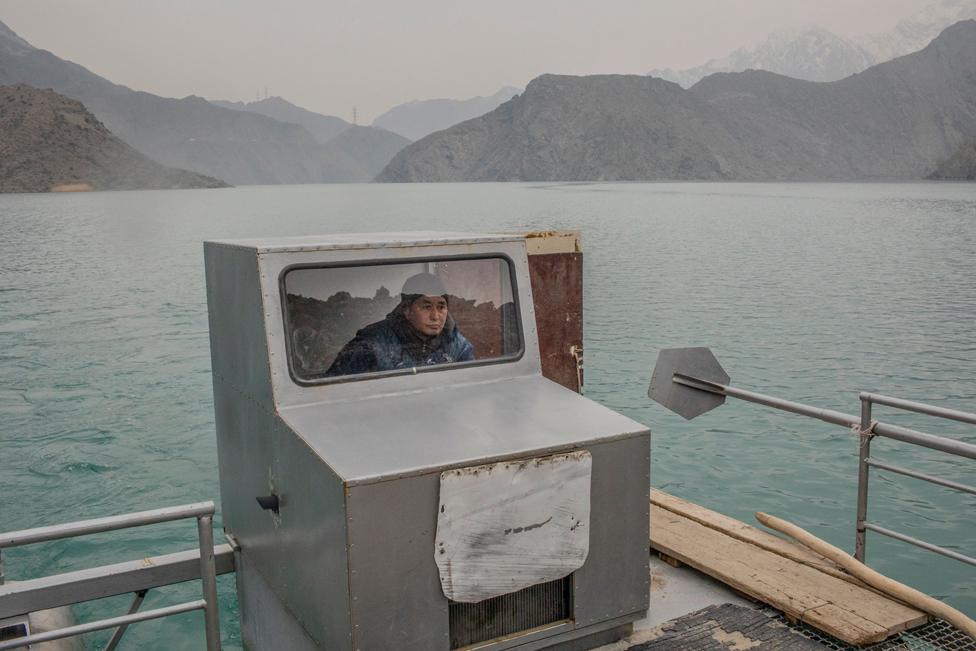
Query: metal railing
[[868, 428], [691, 382], [25, 597]]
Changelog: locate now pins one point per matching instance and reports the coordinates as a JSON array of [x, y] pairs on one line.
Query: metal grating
[[937, 635], [13, 632], [537, 605]]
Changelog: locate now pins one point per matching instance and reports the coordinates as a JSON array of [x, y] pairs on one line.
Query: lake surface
[[812, 292]]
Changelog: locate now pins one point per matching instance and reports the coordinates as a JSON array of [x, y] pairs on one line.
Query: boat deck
[[720, 584], [802, 584]]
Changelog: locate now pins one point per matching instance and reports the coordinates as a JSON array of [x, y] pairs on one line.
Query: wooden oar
[[876, 580]]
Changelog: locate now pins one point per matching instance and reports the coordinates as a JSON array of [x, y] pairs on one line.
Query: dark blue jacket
[[393, 343]]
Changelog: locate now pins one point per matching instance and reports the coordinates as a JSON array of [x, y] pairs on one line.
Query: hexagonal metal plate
[[694, 362]]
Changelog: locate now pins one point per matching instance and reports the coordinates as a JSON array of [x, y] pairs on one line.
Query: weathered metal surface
[[506, 526], [615, 581], [456, 426], [392, 526], [686, 401], [238, 340], [396, 597], [727, 628], [265, 622], [557, 289], [542, 242]]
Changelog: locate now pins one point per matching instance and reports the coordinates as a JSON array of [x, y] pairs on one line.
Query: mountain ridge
[[190, 133], [419, 118], [323, 127], [812, 54], [816, 54], [52, 142], [892, 121]]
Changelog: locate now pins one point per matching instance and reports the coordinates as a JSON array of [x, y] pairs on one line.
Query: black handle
[[269, 502]]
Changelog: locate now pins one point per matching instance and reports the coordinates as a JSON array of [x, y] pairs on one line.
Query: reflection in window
[[344, 321]]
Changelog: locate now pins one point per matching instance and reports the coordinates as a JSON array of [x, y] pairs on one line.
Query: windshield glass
[[344, 321]]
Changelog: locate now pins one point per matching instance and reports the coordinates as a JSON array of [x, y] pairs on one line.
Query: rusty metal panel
[[506, 526], [557, 290]]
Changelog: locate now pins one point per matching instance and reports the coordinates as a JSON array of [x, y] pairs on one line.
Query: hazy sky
[[330, 56]]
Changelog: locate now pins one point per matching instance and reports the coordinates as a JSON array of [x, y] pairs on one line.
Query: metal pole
[[921, 408], [921, 543], [1, 566], [120, 631], [98, 525], [208, 576], [81, 629], [828, 415], [948, 483], [941, 443], [864, 453]]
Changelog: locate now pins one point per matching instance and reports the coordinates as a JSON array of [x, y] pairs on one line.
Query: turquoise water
[[811, 292]]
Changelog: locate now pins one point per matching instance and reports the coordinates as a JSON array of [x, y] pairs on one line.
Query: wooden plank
[[546, 242], [746, 533], [831, 604]]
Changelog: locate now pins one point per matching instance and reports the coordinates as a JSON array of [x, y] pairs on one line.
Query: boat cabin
[[395, 468]]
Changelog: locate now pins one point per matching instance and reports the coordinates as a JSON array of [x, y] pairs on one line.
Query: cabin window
[[367, 320]]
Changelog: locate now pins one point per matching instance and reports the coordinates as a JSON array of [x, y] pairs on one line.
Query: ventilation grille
[[13, 632], [537, 605]]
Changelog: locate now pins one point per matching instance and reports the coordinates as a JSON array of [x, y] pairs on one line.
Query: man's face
[[428, 314]]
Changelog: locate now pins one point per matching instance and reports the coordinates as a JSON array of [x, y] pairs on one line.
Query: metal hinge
[[577, 353]]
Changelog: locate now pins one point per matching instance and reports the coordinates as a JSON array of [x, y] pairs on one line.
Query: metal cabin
[[458, 502]]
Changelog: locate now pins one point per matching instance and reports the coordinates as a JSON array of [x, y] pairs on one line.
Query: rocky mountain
[[241, 147], [323, 127], [892, 121], [816, 54], [416, 119], [961, 166], [50, 142]]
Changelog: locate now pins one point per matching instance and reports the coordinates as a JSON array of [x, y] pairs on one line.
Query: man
[[418, 332]]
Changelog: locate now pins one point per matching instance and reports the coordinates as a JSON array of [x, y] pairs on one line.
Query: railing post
[[864, 452], [208, 576]]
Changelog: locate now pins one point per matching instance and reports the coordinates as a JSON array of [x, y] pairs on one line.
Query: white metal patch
[[506, 526]]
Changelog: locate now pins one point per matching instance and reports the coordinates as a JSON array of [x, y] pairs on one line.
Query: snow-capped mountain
[[812, 53], [916, 31], [816, 54]]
